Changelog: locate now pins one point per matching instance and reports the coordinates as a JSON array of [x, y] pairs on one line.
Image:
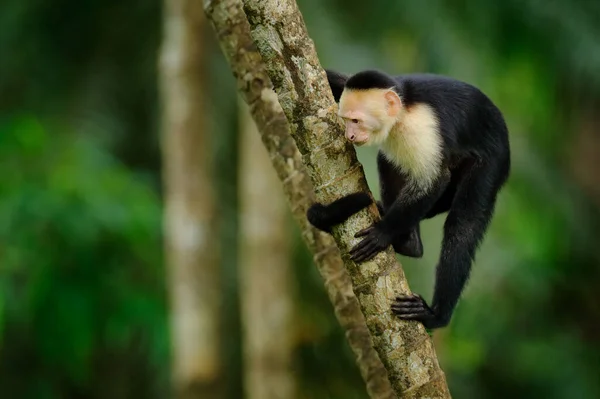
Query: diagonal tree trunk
[[405, 348], [229, 22], [192, 266], [292, 64], [265, 272]]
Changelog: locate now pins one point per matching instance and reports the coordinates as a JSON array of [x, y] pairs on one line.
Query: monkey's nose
[[352, 137]]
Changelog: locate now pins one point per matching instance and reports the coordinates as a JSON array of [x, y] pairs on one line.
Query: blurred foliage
[[81, 275], [92, 63], [82, 299]]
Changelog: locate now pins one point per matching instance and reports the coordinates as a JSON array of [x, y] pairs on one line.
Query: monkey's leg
[[324, 217], [406, 244], [464, 229], [401, 218]]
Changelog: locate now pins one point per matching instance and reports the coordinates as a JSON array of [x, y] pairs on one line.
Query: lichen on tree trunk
[[291, 61], [233, 31]]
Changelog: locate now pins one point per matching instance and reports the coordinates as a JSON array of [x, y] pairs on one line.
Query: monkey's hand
[[414, 307], [374, 242]]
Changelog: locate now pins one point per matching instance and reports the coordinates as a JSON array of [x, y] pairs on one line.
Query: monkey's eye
[[354, 120]]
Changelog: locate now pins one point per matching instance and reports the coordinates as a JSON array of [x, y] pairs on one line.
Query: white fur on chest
[[415, 145]]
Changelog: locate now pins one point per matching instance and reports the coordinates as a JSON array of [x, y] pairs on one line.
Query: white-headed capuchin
[[443, 148]]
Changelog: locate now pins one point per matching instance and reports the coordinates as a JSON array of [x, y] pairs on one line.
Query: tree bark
[[265, 271], [405, 348], [192, 266], [233, 31]]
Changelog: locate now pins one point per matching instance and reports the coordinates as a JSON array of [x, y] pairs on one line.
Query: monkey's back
[[469, 121]]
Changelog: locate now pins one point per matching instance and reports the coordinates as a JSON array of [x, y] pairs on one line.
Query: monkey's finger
[[409, 298], [405, 312], [410, 305], [365, 252], [375, 249], [365, 245], [368, 255], [360, 256], [361, 246], [407, 303], [364, 232], [402, 313], [410, 308], [412, 316]]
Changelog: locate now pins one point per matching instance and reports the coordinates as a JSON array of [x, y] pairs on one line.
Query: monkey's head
[[370, 107]]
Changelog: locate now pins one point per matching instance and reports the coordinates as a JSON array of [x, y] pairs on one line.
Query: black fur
[[476, 166], [371, 79], [471, 125], [324, 217], [407, 244], [336, 83]]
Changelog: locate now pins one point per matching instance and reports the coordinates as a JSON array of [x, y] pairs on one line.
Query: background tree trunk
[[265, 272], [190, 237]]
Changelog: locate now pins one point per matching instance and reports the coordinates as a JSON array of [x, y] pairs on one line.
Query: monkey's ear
[[393, 102], [336, 82]]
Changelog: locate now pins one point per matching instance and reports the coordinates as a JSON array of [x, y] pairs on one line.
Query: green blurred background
[[83, 304]]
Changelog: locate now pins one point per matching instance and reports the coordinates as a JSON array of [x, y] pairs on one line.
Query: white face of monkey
[[369, 115]]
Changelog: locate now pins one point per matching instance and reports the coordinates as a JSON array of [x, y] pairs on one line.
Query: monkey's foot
[[414, 307], [324, 217], [318, 216]]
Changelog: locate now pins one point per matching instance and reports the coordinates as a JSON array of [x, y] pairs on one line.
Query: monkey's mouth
[[360, 143]]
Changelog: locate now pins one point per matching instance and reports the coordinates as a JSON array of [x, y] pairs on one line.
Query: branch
[[233, 31], [405, 349]]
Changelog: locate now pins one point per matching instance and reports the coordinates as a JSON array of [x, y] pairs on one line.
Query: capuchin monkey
[[443, 147]]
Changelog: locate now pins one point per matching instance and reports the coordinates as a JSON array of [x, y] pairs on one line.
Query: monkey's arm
[[324, 217], [400, 219]]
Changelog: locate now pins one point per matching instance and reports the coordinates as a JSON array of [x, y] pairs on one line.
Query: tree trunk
[[190, 239], [265, 271], [256, 89], [418, 371], [291, 62]]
